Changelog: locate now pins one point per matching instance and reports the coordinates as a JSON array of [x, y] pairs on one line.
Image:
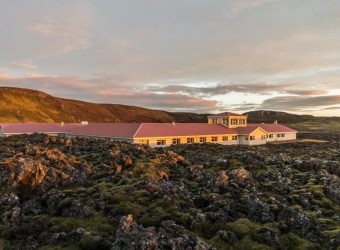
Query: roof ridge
[[139, 127]]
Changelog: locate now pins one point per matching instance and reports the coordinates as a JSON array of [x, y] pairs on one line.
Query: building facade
[[224, 128]]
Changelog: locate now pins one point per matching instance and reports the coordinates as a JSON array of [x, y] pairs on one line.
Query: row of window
[[263, 137], [191, 140], [278, 135], [233, 121]]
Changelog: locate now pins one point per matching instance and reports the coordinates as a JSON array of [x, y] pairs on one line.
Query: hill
[[25, 105], [299, 122]]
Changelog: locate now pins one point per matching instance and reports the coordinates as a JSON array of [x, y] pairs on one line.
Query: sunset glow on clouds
[[191, 55]]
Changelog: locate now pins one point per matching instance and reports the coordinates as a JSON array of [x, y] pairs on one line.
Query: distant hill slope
[[269, 116], [299, 122], [25, 105]]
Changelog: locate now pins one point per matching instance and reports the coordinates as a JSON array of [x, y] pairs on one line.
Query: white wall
[[257, 141], [242, 139], [288, 136]]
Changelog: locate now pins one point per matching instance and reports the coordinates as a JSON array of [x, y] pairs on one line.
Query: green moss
[[127, 207], [219, 243], [68, 247], [233, 163], [208, 229], [248, 243], [64, 203], [182, 218], [149, 169], [317, 190], [71, 188], [5, 244], [213, 170], [293, 242], [89, 242], [331, 234], [242, 227], [327, 203], [67, 224]]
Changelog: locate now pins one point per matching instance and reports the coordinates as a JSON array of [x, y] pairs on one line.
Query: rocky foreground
[[87, 194]]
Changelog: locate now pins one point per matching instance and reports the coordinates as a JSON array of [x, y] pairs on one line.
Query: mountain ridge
[[26, 105]]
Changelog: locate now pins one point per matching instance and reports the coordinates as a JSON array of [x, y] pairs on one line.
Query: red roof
[[181, 129], [246, 130], [274, 128], [226, 114], [269, 128], [28, 128], [121, 130]]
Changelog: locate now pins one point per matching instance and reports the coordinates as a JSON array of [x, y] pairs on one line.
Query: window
[[242, 121], [203, 139], [233, 121], [247, 138], [283, 135], [278, 135], [263, 137], [144, 142], [160, 142], [190, 140], [225, 121], [270, 136], [234, 137], [214, 139], [214, 120], [224, 138], [176, 141], [252, 138]]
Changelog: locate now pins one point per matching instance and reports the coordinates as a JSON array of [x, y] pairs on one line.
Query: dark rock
[[130, 235]]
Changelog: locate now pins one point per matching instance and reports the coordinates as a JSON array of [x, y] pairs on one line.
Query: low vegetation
[[95, 194]]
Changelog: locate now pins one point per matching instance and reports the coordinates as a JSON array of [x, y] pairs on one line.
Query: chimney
[[275, 122], [62, 124]]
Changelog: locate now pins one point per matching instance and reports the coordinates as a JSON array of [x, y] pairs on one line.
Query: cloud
[[220, 89], [300, 102], [68, 37], [228, 51], [308, 92], [241, 5], [47, 27], [223, 89], [169, 102], [6, 77], [65, 87], [332, 108], [98, 90], [18, 65]]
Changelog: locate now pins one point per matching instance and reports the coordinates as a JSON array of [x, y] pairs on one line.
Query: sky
[[177, 55]]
